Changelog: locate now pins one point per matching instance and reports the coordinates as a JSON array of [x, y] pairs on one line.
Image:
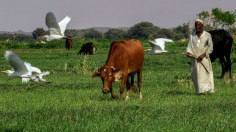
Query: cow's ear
[[96, 74]]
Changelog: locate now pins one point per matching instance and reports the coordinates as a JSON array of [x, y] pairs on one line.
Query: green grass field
[[74, 100]]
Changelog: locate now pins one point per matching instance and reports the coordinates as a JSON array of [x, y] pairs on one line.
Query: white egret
[[158, 45], [56, 30], [23, 70]]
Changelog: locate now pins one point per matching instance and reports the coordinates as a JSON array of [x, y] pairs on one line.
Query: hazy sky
[[28, 15]]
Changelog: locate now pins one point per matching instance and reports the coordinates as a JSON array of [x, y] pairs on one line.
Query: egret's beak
[[4, 71], [150, 41]]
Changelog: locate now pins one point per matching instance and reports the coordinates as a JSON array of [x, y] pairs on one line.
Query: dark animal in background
[[222, 44], [69, 43], [125, 59], [87, 48]]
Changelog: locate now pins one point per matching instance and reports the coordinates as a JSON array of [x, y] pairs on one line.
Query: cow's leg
[[132, 84], [66, 47], [140, 83], [124, 80], [112, 94], [128, 90], [69, 47], [222, 62], [228, 64]]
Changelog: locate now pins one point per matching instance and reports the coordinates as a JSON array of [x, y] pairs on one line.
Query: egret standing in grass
[[56, 30], [23, 70]]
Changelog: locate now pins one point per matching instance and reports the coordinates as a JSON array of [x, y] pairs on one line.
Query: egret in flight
[[158, 45], [23, 70], [56, 30]]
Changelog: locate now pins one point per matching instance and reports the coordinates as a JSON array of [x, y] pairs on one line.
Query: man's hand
[[189, 55], [201, 57]]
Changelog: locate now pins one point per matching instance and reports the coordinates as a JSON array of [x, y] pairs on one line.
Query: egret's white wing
[[168, 40], [52, 24], [27, 76], [39, 77], [54, 32], [16, 63], [36, 71], [37, 74], [155, 47], [28, 67], [164, 39], [44, 73], [161, 44], [29, 70], [63, 23]]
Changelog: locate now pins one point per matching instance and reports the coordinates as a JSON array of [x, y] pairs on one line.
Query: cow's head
[[108, 76]]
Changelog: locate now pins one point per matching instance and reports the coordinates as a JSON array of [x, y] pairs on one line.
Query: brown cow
[[69, 43], [124, 60]]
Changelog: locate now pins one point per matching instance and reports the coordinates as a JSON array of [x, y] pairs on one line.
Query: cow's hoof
[[105, 91], [140, 96], [114, 96], [126, 98]]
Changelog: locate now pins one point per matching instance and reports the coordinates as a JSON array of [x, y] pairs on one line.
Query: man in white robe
[[199, 47]]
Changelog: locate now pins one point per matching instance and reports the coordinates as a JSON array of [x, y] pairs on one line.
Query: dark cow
[[222, 44], [69, 43], [125, 59], [87, 48]]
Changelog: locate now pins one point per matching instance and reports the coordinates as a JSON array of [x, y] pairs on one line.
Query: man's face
[[198, 26]]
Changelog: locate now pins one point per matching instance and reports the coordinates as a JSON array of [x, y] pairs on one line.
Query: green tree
[[22, 37], [7, 36], [162, 33], [38, 32], [115, 33], [182, 31], [217, 18], [168, 33], [91, 34], [15, 37], [204, 15], [142, 30], [223, 19], [71, 32]]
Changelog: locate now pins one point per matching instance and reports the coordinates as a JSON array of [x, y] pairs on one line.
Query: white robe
[[201, 72]]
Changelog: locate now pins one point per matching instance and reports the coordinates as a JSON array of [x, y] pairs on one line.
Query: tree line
[[142, 30]]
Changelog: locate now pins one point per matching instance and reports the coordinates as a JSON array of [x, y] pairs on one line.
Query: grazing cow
[[222, 44], [125, 59], [69, 43], [87, 48]]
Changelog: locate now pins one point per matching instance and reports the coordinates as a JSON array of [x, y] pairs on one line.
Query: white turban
[[199, 20]]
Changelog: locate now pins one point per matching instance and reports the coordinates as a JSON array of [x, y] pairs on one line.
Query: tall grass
[[74, 101]]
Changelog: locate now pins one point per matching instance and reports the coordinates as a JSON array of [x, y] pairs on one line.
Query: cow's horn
[[113, 68]]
